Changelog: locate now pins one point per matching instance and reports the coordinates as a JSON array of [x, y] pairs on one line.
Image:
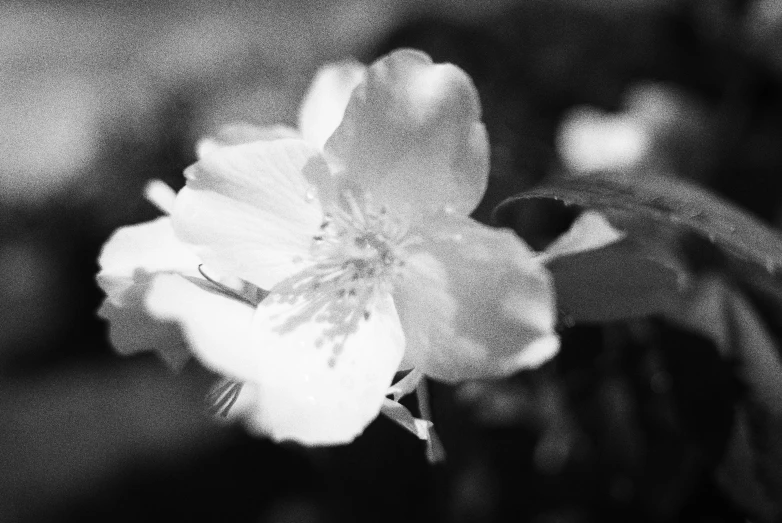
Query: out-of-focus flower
[[590, 140], [659, 128], [366, 248]]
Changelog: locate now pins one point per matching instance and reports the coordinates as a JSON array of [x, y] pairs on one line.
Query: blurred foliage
[[635, 420]]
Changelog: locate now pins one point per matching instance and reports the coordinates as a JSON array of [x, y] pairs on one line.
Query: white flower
[[590, 140], [365, 246]]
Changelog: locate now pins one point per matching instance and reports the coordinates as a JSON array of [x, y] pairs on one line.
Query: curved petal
[[217, 327], [128, 262], [325, 102], [251, 210], [132, 329], [161, 195], [239, 133], [325, 365], [474, 303], [149, 247], [412, 136]]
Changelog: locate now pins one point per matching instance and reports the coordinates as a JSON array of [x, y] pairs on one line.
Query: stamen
[[224, 288], [360, 248], [222, 397], [354, 207]]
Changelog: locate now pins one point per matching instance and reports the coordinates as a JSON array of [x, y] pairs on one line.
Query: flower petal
[[475, 303], [132, 329], [324, 104], [239, 133], [251, 210], [412, 136], [161, 195], [325, 364], [149, 247], [217, 327], [128, 262]]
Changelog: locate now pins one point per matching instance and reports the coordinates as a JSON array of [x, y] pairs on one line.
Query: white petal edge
[[147, 248], [239, 133], [251, 210], [324, 104], [217, 327], [412, 136], [300, 397], [133, 330], [160, 195], [475, 303], [129, 261]]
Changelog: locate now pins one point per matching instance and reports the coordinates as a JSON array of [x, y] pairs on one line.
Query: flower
[[364, 244], [652, 132]]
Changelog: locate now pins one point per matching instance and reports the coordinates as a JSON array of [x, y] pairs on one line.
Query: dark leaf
[[751, 470], [622, 280], [761, 369], [666, 201]]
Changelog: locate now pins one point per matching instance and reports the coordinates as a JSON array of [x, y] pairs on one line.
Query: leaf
[[668, 201], [655, 206], [761, 370], [620, 281], [751, 470], [601, 277]]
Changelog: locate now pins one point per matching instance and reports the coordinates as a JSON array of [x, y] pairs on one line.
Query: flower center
[[360, 249]]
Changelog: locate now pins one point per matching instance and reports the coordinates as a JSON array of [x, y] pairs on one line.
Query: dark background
[[631, 422]]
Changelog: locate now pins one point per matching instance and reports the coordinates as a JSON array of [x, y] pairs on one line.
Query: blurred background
[[633, 421]]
